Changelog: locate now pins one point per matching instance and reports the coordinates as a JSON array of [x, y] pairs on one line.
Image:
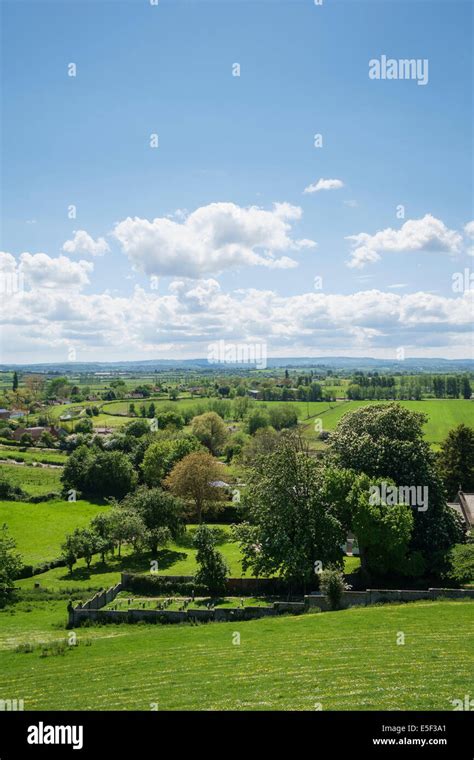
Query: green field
[[48, 456], [39, 529], [36, 481], [345, 660], [443, 414], [176, 559]]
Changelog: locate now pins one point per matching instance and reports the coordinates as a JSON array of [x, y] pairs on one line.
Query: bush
[[461, 564], [332, 584]]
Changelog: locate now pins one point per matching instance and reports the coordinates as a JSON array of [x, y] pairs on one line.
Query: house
[[255, 394], [35, 432], [4, 414], [463, 505]]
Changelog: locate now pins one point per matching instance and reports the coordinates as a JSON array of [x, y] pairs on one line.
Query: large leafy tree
[[161, 513], [101, 473], [210, 429], [192, 479], [386, 441], [291, 524], [161, 456], [456, 460]]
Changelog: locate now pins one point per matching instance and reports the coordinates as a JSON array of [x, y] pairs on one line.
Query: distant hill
[[341, 363]]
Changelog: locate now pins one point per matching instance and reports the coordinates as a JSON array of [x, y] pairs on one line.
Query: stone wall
[[92, 609], [227, 614], [378, 595]]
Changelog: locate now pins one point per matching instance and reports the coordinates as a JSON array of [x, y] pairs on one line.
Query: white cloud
[[324, 184], [193, 313], [41, 271], [426, 234], [211, 239], [83, 243], [469, 230]]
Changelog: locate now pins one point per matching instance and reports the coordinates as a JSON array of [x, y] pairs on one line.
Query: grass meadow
[[346, 660]]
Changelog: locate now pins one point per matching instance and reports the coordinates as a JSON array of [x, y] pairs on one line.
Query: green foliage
[[332, 584], [160, 512], [461, 564], [257, 418], [291, 524], [161, 456], [210, 430], [10, 565], [386, 441], [456, 460], [213, 569], [101, 473]]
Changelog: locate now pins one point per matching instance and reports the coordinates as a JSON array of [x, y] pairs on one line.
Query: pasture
[[36, 481], [346, 660], [40, 529]]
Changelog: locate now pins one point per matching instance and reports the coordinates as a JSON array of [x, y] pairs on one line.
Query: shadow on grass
[[135, 563]]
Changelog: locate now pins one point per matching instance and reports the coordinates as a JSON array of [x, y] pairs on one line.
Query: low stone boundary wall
[[99, 600], [92, 609], [378, 595], [79, 615]]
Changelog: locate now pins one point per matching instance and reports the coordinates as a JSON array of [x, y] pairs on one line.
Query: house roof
[[464, 506]]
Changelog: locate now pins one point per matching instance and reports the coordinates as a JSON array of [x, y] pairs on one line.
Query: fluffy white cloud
[[426, 234], [41, 271], [212, 239], [324, 184], [83, 243], [192, 314], [469, 229]]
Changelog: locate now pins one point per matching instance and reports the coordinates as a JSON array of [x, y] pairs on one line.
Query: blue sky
[[246, 141]]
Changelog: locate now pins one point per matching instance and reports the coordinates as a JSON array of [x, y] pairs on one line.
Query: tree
[[213, 569], [10, 565], [291, 525], [466, 389], [383, 530], [102, 473], [87, 544], [70, 551], [192, 477], [46, 439], [161, 513], [26, 440], [15, 382], [257, 418], [137, 428], [126, 527], [101, 525], [386, 441], [264, 441], [456, 460], [161, 456], [210, 429], [83, 425]]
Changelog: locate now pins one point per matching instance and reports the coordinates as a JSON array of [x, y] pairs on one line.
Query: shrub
[[332, 584]]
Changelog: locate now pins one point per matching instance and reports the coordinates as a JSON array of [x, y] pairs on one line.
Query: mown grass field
[[443, 414], [40, 529], [36, 481], [345, 660]]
